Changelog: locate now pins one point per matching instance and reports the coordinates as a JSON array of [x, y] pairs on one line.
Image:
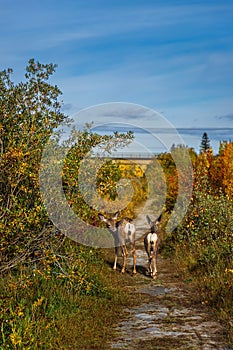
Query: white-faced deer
[[151, 243], [123, 232]]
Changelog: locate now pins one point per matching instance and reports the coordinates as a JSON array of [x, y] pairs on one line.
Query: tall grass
[[204, 244], [59, 305]]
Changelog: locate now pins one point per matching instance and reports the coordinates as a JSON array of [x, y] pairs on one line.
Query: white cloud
[[175, 58]]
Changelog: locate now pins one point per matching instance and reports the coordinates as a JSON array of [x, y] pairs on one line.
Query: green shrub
[[35, 300], [204, 241]]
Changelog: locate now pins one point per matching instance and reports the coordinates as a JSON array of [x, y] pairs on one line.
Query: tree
[[205, 143], [77, 182], [227, 169], [29, 112]]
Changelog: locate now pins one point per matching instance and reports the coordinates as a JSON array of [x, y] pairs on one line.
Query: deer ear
[[116, 215], [102, 217], [159, 218], [148, 219]]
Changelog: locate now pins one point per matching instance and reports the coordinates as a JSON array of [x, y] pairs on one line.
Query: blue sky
[[175, 57]]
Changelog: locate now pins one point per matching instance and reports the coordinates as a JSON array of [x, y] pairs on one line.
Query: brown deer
[[123, 232], [151, 243]]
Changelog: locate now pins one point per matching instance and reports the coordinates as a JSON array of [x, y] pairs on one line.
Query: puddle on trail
[[173, 326], [166, 322]]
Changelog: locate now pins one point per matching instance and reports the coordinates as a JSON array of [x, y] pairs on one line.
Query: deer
[[151, 243], [123, 232]]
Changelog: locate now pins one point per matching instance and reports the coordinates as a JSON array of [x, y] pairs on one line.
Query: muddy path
[[171, 315]]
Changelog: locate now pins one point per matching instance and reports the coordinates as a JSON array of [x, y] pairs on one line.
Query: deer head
[[154, 225], [111, 223]]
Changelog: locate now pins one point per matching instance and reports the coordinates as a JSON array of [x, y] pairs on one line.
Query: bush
[[205, 243], [33, 301]]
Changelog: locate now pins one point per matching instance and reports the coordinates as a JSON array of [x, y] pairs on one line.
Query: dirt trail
[[171, 316]]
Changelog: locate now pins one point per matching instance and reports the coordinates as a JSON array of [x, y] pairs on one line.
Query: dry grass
[[47, 313]]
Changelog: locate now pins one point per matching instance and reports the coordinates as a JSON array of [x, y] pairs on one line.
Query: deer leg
[[154, 260], [115, 261], [134, 258], [125, 253], [154, 268], [148, 252], [149, 265], [148, 268]]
